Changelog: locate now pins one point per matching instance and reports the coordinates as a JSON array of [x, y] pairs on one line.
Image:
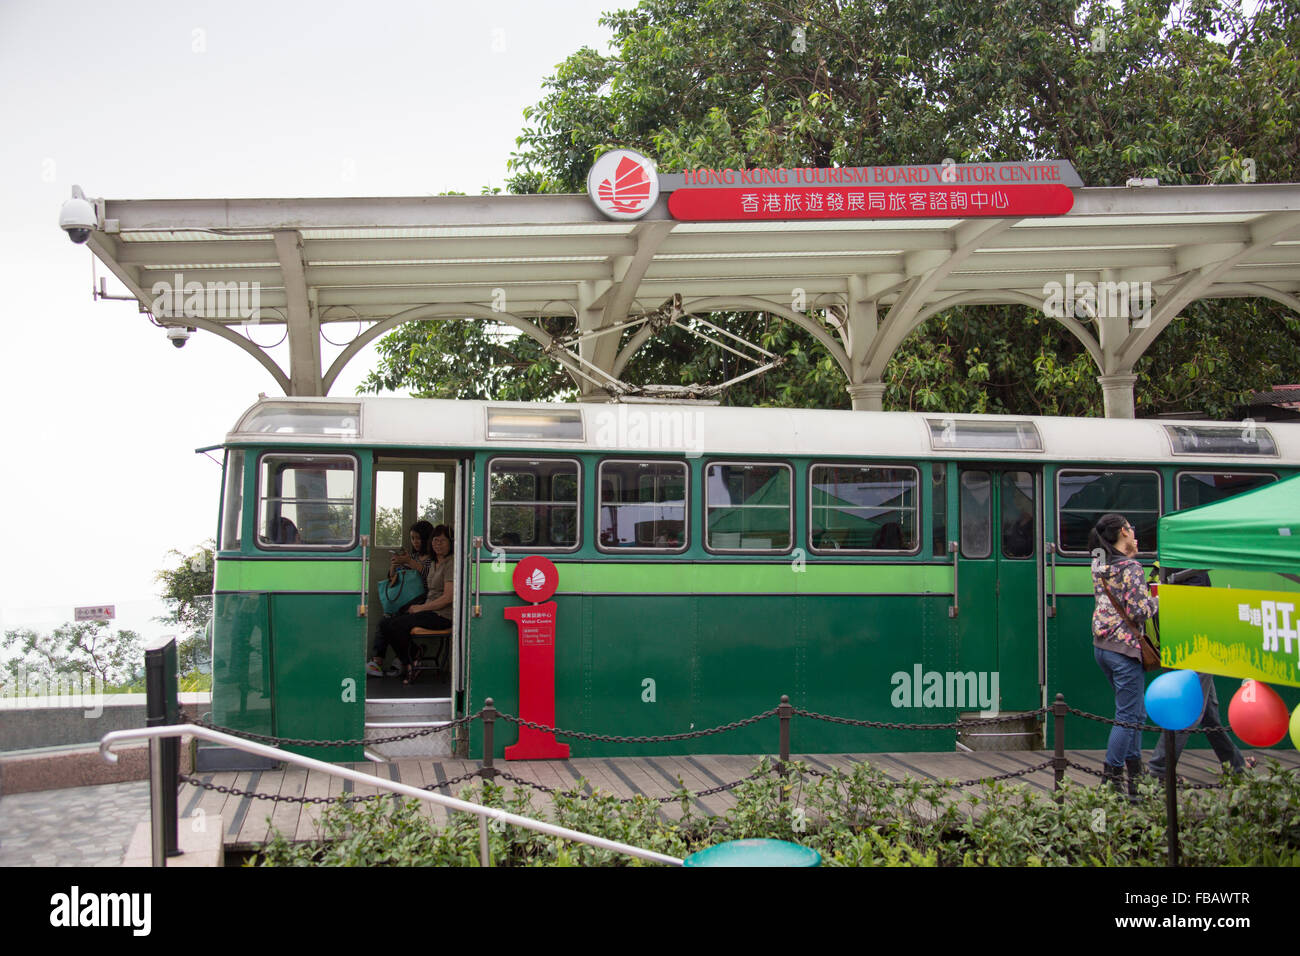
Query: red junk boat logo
[[623, 184]]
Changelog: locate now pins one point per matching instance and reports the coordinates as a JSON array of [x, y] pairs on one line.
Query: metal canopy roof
[[860, 286]]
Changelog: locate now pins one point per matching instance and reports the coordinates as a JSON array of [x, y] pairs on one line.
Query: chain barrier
[[668, 738], [971, 782], [665, 738], [670, 798], [951, 725], [1143, 727], [1183, 784], [351, 798], [363, 742]]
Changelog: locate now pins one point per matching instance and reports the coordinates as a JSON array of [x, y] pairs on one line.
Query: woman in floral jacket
[[1124, 605]]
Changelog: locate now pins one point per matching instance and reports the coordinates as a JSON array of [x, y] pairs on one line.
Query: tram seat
[[443, 647]]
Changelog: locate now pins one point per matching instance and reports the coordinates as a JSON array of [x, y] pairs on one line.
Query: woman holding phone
[[418, 560]]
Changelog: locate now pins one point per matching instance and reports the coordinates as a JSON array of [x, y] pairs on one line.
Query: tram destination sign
[[941, 191]]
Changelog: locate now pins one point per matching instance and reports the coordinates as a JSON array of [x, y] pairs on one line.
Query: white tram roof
[[659, 428]]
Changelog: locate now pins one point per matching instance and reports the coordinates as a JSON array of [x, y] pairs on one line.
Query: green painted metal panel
[[753, 578], [241, 662], [318, 644], [656, 665], [340, 574]]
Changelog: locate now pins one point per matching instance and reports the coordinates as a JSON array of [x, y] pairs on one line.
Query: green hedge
[[856, 819]]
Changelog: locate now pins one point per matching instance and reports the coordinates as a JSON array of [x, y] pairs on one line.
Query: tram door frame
[[454, 471], [1001, 620]]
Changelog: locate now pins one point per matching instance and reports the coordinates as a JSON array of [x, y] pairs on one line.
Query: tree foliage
[[1198, 92], [187, 592], [78, 653]]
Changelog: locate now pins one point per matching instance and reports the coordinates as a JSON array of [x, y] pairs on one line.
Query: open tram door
[[1000, 615], [407, 489]]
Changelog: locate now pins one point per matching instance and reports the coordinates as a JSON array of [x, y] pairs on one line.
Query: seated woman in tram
[[435, 613], [419, 560]]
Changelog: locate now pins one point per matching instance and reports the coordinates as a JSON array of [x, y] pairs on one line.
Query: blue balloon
[[1174, 700]]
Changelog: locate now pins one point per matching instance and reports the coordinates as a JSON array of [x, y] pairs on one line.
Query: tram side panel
[[632, 664]]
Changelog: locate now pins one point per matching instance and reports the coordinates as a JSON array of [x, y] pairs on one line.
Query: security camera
[[78, 217], [178, 335]]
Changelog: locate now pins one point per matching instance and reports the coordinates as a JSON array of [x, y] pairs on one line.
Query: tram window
[[748, 507], [863, 508], [1249, 439], [1084, 496], [976, 514], [1203, 488], [642, 505], [232, 507], [389, 532], [307, 501], [939, 508], [533, 503], [1019, 523]]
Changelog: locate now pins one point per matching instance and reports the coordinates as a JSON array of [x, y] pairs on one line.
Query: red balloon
[[1258, 715]]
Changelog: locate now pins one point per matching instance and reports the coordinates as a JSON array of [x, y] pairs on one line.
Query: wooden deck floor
[[249, 822]]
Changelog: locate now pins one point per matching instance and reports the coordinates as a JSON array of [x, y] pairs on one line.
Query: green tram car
[[886, 566]]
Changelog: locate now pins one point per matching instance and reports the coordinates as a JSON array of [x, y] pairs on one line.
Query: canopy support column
[[1117, 395], [868, 396], [304, 329]]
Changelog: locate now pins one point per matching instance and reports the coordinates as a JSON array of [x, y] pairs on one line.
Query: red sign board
[[535, 579], [940, 201]]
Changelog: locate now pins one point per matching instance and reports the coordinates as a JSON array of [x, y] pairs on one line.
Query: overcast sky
[[141, 100]]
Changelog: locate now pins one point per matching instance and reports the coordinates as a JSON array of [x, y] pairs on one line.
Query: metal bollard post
[[1171, 795], [488, 771], [784, 712], [484, 854], [162, 709], [1058, 754]]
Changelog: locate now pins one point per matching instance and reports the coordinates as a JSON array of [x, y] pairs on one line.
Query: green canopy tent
[[1255, 531], [1248, 624]]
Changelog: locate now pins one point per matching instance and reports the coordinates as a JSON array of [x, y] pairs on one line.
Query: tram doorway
[[1000, 583], [407, 490]]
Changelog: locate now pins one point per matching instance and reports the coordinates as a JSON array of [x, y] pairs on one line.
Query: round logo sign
[[623, 184], [536, 579]]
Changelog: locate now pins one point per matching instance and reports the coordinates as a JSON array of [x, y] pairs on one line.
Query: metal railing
[[158, 791]]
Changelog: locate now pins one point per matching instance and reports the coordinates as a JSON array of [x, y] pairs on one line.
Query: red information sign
[[535, 579], [938, 201]]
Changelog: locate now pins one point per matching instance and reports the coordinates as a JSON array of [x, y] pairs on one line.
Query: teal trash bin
[[755, 853]]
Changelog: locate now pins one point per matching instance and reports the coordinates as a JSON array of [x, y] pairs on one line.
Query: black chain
[[364, 742], [952, 725], [670, 798], [1145, 727], [606, 738], [1182, 784], [277, 798]]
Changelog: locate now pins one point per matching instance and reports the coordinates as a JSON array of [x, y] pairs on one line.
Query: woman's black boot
[[1113, 776], [1135, 773]]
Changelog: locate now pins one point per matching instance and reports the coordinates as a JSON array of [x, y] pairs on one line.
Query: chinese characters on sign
[[102, 612], [868, 203]]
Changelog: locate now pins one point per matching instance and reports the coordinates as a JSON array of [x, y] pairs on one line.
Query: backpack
[[406, 590]]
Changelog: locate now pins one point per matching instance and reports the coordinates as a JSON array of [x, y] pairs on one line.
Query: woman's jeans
[[1125, 676]]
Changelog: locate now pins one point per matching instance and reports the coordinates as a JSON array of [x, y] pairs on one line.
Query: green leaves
[[862, 818], [1201, 92]]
